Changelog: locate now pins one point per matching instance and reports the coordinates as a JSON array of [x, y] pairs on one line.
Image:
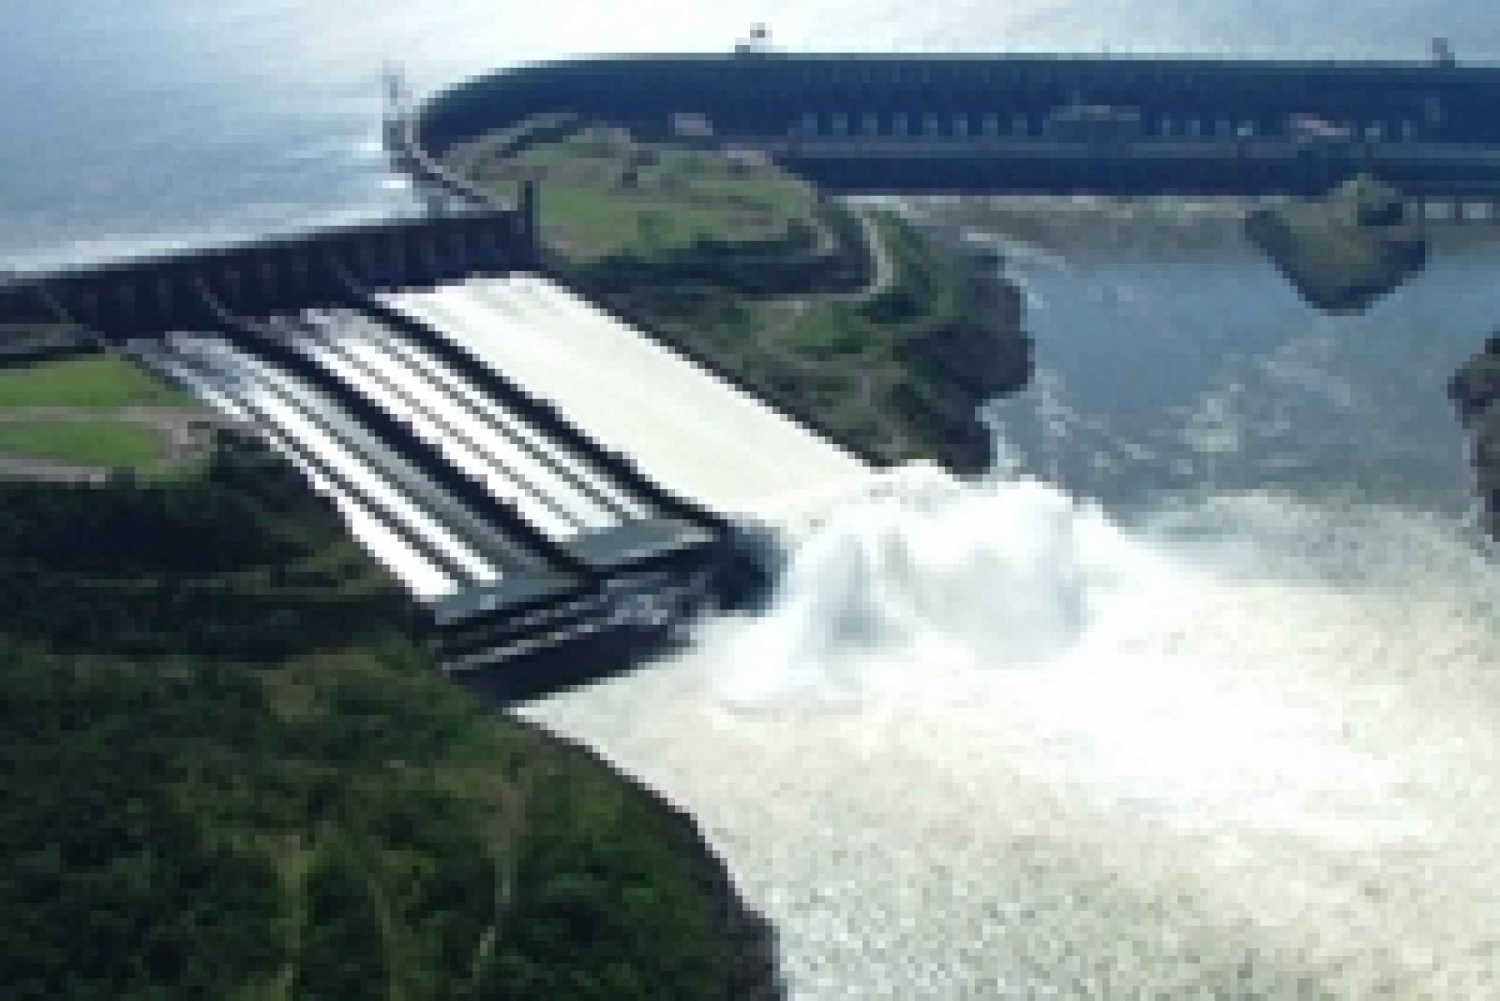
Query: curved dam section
[[1045, 124]]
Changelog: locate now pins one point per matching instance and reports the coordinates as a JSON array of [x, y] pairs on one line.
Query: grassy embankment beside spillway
[[226, 771], [70, 410], [755, 274]]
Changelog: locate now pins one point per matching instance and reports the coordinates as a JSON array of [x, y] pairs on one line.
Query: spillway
[[535, 471], [695, 434]]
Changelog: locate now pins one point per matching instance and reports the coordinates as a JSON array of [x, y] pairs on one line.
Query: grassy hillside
[[606, 194], [227, 773], [85, 443]]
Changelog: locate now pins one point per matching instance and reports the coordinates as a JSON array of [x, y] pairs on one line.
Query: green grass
[[672, 197], [83, 443], [101, 382]]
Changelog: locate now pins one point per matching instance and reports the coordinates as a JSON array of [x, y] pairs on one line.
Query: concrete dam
[[544, 477], [1028, 123]]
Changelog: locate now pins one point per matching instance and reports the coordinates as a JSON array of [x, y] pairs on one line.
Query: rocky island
[[1475, 392], [1346, 250]]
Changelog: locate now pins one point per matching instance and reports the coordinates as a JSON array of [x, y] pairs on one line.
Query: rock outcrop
[[986, 353], [1343, 251], [1475, 392]]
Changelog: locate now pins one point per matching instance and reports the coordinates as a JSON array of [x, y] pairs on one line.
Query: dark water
[[1174, 359]]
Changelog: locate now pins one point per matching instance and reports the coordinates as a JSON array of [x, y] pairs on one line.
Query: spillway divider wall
[[529, 545], [447, 428], [376, 312], [547, 417], [375, 507]]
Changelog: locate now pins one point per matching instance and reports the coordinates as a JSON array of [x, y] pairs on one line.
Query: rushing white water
[[991, 741], [989, 744]]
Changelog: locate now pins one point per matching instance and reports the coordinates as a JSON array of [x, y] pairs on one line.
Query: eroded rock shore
[[1475, 392]]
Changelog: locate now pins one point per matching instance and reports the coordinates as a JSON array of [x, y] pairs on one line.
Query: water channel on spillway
[[1193, 697]]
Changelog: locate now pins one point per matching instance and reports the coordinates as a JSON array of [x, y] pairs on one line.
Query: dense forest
[[227, 771]]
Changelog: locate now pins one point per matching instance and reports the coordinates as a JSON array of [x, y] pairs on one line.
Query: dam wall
[[150, 295], [1027, 123]]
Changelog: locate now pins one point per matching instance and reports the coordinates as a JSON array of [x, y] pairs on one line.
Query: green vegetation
[[749, 270], [83, 443], [1344, 251], [606, 194], [99, 381], [65, 402], [227, 772], [897, 374]]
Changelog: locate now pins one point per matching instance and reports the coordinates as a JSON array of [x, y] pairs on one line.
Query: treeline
[[218, 783]]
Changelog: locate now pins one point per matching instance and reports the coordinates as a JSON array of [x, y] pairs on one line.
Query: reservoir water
[[1194, 697]]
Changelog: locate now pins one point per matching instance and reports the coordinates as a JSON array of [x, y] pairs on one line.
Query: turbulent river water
[[1193, 697]]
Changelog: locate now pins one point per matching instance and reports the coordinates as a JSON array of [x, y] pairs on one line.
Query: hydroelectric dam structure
[[1028, 124], [552, 482], [558, 490]]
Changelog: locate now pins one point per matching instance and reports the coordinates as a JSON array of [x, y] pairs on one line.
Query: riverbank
[[750, 272]]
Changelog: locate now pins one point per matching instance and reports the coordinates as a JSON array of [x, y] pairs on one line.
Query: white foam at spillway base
[[990, 745]]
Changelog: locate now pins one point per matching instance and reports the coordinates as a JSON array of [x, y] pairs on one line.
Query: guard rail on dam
[[1028, 123], [550, 482]]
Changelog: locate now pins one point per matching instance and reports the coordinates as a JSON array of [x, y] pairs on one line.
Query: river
[[1192, 697]]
